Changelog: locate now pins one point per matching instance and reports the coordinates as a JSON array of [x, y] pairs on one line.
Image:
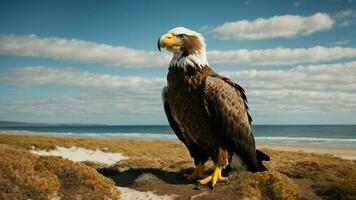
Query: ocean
[[306, 135]]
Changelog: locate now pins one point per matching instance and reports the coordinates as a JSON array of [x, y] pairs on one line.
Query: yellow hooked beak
[[168, 41]]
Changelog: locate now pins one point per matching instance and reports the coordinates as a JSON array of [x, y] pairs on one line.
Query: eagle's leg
[[197, 173], [221, 160]]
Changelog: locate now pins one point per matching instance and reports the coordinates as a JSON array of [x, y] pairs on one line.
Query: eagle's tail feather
[[260, 157]]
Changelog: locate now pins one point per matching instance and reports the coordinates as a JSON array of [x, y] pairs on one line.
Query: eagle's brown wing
[[226, 105], [170, 118], [199, 155]]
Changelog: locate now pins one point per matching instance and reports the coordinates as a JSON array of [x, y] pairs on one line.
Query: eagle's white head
[[187, 46]]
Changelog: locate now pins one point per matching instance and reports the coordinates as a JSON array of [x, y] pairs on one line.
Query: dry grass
[[26, 176], [266, 185], [160, 151], [292, 175], [331, 177], [95, 165], [19, 179], [146, 178]]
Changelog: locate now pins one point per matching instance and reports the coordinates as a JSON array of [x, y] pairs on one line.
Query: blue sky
[[97, 62]]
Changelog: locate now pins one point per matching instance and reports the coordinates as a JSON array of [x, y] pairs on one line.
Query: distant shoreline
[[306, 136]]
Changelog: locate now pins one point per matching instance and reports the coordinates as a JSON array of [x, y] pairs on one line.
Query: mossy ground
[[27, 176], [158, 165]]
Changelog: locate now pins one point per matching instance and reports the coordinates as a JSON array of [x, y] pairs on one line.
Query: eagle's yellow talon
[[213, 178], [222, 179], [197, 173], [205, 180]]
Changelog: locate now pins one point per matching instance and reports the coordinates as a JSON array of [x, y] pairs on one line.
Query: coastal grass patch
[[265, 185], [146, 178], [20, 180], [93, 164], [330, 177], [162, 151], [317, 176], [27, 176]]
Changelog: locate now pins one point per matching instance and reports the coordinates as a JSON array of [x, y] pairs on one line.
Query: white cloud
[[85, 103], [340, 43], [80, 50], [344, 14], [99, 93], [345, 18], [284, 101], [84, 51], [280, 56], [300, 90], [340, 77], [277, 26], [41, 75], [303, 89]]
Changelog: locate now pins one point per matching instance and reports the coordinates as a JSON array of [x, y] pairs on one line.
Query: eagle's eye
[[181, 35]]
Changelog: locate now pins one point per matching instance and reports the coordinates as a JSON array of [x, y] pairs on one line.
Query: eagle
[[208, 112]]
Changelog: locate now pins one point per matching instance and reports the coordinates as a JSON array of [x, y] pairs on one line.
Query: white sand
[[345, 153], [79, 154], [347, 157], [131, 194]]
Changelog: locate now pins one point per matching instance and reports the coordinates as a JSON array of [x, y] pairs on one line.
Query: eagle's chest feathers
[[185, 98], [185, 79]]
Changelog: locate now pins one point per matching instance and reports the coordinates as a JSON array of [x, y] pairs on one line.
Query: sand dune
[[345, 153], [79, 154]]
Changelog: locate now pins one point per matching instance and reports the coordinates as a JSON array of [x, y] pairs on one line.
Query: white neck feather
[[198, 59]]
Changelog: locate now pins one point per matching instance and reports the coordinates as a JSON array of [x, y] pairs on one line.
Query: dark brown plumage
[[208, 112]]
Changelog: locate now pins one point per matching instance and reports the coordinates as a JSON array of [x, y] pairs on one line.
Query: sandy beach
[[345, 153], [134, 169]]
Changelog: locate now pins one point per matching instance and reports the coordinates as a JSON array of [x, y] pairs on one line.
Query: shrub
[[26, 176]]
